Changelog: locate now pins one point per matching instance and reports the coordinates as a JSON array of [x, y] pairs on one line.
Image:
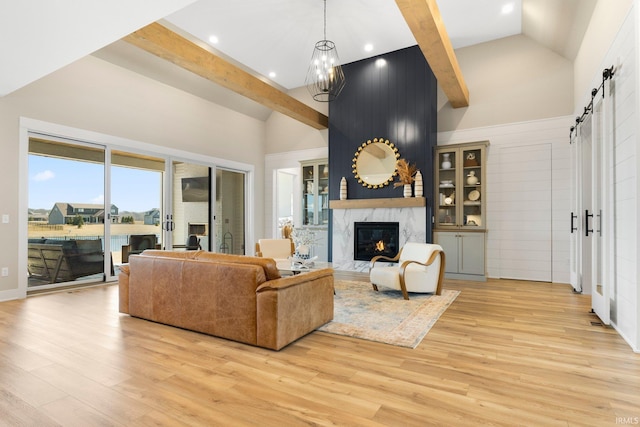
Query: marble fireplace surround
[[410, 214]]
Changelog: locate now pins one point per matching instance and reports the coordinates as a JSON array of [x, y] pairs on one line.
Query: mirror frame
[[361, 148]]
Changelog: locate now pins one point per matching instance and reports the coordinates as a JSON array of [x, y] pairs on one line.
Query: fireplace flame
[[380, 245]]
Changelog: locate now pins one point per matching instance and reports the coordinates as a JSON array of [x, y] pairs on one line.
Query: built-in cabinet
[[315, 204], [315, 192], [464, 252], [460, 214]]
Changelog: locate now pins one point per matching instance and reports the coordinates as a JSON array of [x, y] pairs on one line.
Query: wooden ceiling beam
[[425, 22], [166, 44]]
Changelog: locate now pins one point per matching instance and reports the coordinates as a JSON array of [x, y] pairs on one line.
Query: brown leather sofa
[[240, 298]]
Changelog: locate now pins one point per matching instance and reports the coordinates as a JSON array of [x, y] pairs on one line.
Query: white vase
[[472, 179], [407, 190], [343, 188], [418, 185], [446, 163]]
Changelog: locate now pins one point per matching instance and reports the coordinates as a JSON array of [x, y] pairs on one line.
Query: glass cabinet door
[[308, 195], [447, 181], [459, 186], [323, 193], [315, 193], [472, 215]]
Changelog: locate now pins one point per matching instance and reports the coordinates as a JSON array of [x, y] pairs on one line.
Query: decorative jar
[[407, 190], [446, 162]]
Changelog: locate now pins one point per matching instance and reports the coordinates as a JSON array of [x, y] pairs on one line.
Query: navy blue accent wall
[[398, 102]]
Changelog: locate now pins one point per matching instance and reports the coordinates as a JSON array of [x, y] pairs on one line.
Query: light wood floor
[[504, 353]]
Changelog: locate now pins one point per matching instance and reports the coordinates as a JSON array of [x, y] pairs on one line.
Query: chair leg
[[403, 287], [441, 275], [375, 287], [405, 294]]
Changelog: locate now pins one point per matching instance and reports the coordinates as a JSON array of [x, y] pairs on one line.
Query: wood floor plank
[[16, 412], [73, 413], [504, 353]]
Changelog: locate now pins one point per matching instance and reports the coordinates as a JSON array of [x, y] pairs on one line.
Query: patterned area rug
[[385, 316]]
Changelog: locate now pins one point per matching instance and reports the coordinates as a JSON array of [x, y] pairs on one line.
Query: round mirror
[[374, 164]]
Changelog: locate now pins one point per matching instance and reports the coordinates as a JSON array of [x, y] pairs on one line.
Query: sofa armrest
[[123, 289], [291, 307]]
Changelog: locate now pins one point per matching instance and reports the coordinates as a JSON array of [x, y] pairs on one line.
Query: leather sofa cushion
[[268, 264]]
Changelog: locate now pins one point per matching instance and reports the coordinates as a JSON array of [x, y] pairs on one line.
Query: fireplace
[[375, 238]]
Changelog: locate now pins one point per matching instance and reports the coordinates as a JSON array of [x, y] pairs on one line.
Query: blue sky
[[53, 180]]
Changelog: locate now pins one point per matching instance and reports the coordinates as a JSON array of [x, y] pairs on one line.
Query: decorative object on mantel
[[343, 188], [325, 78], [374, 163], [406, 172], [446, 162], [418, 190], [406, 190]]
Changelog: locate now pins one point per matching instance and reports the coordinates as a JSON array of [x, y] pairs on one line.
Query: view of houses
[[66, 213]]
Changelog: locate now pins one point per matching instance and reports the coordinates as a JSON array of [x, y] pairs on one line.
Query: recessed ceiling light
[[507, 8], [213, 39], [368, 47], [272, 75]]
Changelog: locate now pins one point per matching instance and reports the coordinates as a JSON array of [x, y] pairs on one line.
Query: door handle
[[599, 230], [587, 230], [573, 227]]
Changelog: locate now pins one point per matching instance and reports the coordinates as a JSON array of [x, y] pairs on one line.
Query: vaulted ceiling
[[273, 36]]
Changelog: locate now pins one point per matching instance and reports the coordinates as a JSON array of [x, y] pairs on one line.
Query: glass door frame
[[106, 204]]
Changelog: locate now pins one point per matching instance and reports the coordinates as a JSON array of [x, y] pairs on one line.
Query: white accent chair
[[419, 268], [280, 250]]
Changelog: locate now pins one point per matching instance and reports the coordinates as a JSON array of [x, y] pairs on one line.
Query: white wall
[[553, 133], [510, 80], [291, 161], [606, 22], [97, 96], [284, 134]]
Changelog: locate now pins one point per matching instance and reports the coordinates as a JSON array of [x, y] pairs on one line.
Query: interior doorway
[[285, 207], [230, 211]]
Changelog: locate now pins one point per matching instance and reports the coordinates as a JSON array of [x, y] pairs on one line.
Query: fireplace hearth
[[375, 238]]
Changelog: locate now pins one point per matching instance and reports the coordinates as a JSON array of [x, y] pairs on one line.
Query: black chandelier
[[325, 78]]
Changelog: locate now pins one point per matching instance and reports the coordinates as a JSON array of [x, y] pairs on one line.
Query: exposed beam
[[166, 44], [425, 22]]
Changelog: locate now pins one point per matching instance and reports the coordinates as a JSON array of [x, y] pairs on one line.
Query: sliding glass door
[[187, 221], [67, 213], [92, 206], [136, 195]]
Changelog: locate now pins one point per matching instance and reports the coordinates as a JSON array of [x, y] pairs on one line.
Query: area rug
[[385, 316]]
